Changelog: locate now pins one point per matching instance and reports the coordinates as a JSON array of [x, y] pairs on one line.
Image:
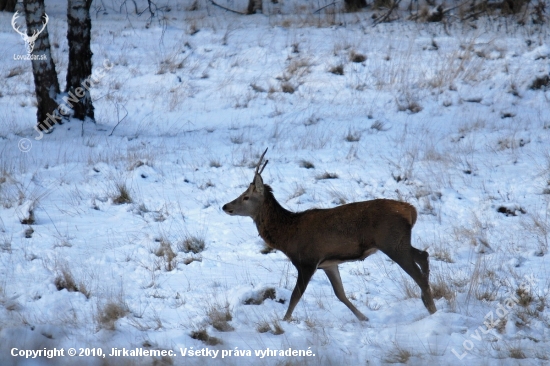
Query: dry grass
[[191, 244], [337, 70], [442, 288], [352, 136], [261, 296], [408, 103], [327, 175], [110, 312], [203, 336], [165, 252], [357, 57], [121, 195], [516, 352], [306, 164], [191, 259], [263, 327], [409, 288], [298, 67], [540, 83], [442, 253], [215, 163], [398, 354], [219, 317], [277, 328], [287, 87], [378, 126], [5, 243], [540, 227], [28, 218], [64, 279]]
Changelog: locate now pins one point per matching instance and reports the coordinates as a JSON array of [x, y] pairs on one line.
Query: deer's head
[[250, 201]]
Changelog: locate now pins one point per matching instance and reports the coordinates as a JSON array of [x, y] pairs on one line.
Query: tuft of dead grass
[[327, 175], [191, 244], [263, 327], [352, 136], [357, 57], [261, 296], [398, 354], [220, 316], [286, 87], [167, 254], [64, 280], [441, 288], [203, 336], [378, 126], [540, 83], [337, 70], [277, 328], [110, 312], [516, 352], [122, 194], [306, 164]]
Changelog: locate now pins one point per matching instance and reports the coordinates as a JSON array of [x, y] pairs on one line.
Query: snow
[[182, 117]]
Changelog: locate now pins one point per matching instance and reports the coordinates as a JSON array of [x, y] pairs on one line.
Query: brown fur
[[324, 238]]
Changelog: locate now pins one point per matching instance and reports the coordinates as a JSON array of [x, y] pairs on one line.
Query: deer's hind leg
[[421, 258], [402, 253]]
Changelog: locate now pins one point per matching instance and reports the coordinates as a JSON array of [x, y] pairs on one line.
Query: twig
[[224, 8], [324, 7], [387, 15], [119, 120]]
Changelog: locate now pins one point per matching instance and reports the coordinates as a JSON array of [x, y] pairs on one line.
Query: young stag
[[324, 238]]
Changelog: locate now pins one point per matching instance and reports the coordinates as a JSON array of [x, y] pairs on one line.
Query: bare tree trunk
[[46, 84], [80, 57], [8, 5]]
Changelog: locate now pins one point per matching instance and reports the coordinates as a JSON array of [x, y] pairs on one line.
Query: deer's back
[[352, 231], [374, 212]]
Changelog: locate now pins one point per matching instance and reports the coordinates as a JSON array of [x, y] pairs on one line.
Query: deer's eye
[[245, 198]]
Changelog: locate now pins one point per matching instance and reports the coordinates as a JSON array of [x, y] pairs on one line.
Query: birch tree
[[80, 56], [46, 84], [79, 70]]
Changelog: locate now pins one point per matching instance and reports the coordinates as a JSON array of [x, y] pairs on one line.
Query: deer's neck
[[274, 223]]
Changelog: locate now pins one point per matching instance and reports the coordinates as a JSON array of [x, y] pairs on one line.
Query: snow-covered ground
[[442, 117]]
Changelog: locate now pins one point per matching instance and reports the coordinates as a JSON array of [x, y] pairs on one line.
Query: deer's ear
[[259, 183]]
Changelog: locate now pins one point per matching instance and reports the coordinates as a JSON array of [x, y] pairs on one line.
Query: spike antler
[[258, 171]]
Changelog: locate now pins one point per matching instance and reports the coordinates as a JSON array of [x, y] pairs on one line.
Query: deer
[[324, 238]]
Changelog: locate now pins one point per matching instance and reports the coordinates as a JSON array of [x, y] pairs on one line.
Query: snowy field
[[112, 235]]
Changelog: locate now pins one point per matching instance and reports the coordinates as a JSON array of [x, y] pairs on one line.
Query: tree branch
[[387, 15], [324, 7]]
